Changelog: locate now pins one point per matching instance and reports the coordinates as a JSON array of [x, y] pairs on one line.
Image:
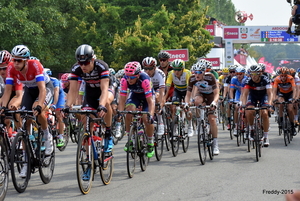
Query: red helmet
[[5, 57], [65, 77]]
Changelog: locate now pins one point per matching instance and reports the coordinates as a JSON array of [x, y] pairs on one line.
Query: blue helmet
[[240, 69], [48, 71]]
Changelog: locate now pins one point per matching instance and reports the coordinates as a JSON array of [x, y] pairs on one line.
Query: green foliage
[[118, 30]]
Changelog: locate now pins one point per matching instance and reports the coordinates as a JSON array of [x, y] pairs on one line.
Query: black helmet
[[163, 55], [84, 53]]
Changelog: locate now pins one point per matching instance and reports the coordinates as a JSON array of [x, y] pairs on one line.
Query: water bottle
[[140, 130]]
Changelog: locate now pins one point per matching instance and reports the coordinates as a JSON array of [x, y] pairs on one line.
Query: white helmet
[[20, 51]]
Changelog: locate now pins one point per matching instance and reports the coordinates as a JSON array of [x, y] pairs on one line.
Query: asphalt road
[[232, 175]]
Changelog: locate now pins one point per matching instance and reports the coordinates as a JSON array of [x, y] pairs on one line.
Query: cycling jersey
[[33, 75], [257, 91], [169, 68], [227, 81], [143, 86], [285, 87], [61, 96], [92, 79], [237, 85], [205, 86], [214, 73], [297, 80], [222, 79], [158, 79], [179, 83]]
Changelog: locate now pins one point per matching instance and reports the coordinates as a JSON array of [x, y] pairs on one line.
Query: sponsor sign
[[211, 29], [178, 54], [231, 33], [215, 61]]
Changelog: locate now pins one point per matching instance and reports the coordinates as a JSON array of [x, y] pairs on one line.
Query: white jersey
[[158, 79], [297, 80]]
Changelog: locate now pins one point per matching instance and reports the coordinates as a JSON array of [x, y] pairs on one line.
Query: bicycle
[[258, 130], [28, 149], [240, 127], [53, 125], [90, 154], [159, 140], [137, 142], [74, 127], [4, 161], [231, 122], [204, 137], [221, 112], [167, 118], [286, 127], [178, 126]]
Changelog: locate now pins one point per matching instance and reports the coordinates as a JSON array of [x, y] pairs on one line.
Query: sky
[[265, 12]]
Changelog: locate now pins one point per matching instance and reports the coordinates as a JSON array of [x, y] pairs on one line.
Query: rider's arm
[[123, 94], [294, 10], [245, 96], [104, 91], [42, 92], [161, 97], [6, 96], [150, 105], [72, 94], [169, 83]]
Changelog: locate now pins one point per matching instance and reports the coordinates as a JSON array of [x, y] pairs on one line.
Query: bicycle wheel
[[175, 139], [85, 164], [257, 140], [248, 140], [159, 145], [3, 169], [167, 135], [239, 130], [185, 139], [131, 151], [18, 159], [202, 145], [142, 151], [285, 131], [106, 161], [231, 123], [46, 165]]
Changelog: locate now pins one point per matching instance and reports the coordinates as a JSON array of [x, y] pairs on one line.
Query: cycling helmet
[[263, 66], [284, 71], [232, 67], [112, 71], [20, 51], [199, 66], [149, 62], [132, 68], [178, 64], [208, 64], [5, 57], [164, 55], [292, 71], [240, 69], [84, 53], [48, 71], [65, 77], [298, 70], [278, 71], [255, 68], [225, 70], [120, 73]]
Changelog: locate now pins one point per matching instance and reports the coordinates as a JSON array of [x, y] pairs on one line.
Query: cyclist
[[236, 86], [158, 79], [38, 90], [227, 89], [95, 73], [285, 88], [140, 92], [207, 93], [17, 89], [58, 104], [165, 66], [263, 70], [179, 76], [297, 82], [257, 88]]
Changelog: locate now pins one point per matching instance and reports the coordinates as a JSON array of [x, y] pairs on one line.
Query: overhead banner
[[178, 54]]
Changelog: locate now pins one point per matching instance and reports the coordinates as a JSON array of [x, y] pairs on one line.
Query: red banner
[[231, 33], [178, 54], [215, 61]]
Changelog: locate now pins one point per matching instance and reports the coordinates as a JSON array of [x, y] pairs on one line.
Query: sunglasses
[[131, 77], [18, 60], [255, 73], [163, 60], [239, 73], [151, 68], [176, 69], [198, 72], [232, 71], [224, 73], [84, 63], [3, 68], [283, 75]]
